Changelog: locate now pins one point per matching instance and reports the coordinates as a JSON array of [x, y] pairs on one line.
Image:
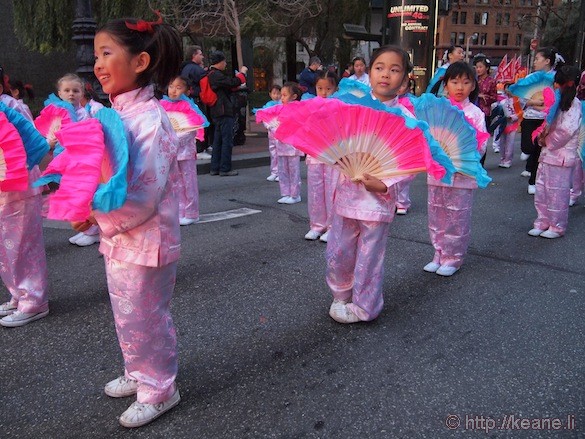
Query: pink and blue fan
[[438, 155], [456, 136], [13, 173], [265, 106], [185, 116], [112, 189], [35, 145], [357, 139], [552, 100], [269, 115], [77, 169], [534, 83], [352, 87]]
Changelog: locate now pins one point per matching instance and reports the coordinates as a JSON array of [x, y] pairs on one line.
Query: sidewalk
[[251, 154]]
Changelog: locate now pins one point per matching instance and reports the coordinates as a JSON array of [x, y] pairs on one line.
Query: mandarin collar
[[130, 98]]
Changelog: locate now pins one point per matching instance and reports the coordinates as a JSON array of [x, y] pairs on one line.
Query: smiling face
[[386, 75], [460, 88], [115, 68], [177, 87], [71, 91]]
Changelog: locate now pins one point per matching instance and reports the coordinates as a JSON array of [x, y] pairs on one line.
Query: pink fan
[[357, 139], [183, 118], [51, 119], [548, 95], [13, 171], [80, 166]]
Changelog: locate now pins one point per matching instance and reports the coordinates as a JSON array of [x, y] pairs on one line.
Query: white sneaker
[[7, 308], [337, 306], [525, 174], [535, 232], [524, 157], [121, 387], [19, 318], [446, 270], [531, 189], [188, 221], [550, 234], [572, 202], [324, 237], [312, 235], [74, 238], [272, 177], [282, 200], [293, 200], [277, 179], [496, 150], [401, 211], [431, 267], [504, 165], [341, 314], [203, 156], [86, 240], [139, 414]]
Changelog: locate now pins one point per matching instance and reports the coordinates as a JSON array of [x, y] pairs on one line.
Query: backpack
[[207, 95]]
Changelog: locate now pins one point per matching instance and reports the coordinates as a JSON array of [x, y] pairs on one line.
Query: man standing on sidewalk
[[223, 113]]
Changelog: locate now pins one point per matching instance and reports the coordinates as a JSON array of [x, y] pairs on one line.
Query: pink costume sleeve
[[564, 131]]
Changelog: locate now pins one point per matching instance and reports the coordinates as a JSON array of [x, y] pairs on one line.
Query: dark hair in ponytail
[[161, 41], [294, 88], [23, 89], [329, 75], [552, 54], [568, 78], [456, 70], [406, 64]]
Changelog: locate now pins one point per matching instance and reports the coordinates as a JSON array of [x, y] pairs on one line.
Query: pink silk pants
[[450, 223], [23, 264], [577, 180], [273, 156], [321, 182], [188, 189], [507, 147], [141, 298], [289, 176], [553, 190], [355, 264], [403, 193]]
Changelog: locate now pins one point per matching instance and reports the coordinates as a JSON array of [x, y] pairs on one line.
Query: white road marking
[[205, 218]]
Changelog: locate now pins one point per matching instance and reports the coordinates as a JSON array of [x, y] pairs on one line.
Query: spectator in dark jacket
[[223, 113], [308, 77], [194, 70]]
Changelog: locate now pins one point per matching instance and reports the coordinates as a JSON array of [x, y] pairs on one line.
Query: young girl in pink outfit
[[7, 99], [403, 202], [559, 144], [321, 179], [187, 158], [18, 90], [275, 99], [450, 205], [141, 240], [22, 255], [363, 213], [289, 158]]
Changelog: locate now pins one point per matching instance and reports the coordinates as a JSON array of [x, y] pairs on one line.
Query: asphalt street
[[492, 350]]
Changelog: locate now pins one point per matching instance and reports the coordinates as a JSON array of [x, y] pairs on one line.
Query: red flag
[[501, 68]]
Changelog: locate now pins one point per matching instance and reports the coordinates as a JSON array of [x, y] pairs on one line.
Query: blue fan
[[534, 83], [456, 136], [35, 145], [353, 87], [438, 76], [307, 96], [111, 194], [193, 106], [437, 153]]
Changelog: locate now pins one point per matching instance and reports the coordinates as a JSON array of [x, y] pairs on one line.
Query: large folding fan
[[534, 83], [552, 100], [185, 116], [268, 104], [357, 139], [51, 119], [269, 116], [13, 172], [456, 136]]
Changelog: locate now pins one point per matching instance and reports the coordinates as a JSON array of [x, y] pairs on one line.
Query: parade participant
[[7, 99], [18, 90], [403, 202], [24, 261], [90, 99], [141, 240], [363, 213], [559, 144], [488, 93], [275, 99], [359, 69], [451, 55], [289, 158], [450, 205], [187, 158], [321, 179]]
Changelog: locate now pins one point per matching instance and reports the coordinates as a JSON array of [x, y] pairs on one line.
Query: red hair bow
[[145, 26]]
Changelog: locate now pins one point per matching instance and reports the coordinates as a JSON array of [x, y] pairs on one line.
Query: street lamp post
[[472, 36]]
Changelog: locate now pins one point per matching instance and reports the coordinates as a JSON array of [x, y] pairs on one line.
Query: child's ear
[[142, 61]]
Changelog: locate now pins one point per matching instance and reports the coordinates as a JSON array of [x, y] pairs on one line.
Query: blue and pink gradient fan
[[533, 84], [185, 116], [13, 173]]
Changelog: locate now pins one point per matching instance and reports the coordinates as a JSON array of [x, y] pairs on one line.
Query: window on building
[[499, 19], [463, 18], [506, 21], [522, 2], [454, 17], [476, 18], [484, 18], [483, 39], [453, 38], [504, 39], [518, 40], [497, 39], [461, 38]]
